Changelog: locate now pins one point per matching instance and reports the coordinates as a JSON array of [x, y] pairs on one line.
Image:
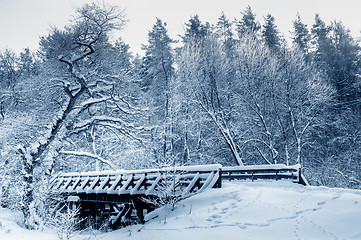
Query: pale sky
[[22, 22]]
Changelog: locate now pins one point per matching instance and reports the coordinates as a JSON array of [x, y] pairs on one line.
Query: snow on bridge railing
[[272, 171], [137, 182], [191, 178]]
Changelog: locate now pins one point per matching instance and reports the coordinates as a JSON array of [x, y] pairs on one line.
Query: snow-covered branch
[[226, 133], [90, 155]]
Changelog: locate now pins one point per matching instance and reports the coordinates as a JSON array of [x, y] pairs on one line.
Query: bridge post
[[219, 180]]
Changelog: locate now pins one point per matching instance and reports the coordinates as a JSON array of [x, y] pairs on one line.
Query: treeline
[[232, 92]]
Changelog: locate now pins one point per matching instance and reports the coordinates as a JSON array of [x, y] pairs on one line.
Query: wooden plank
[[75, 184], [215, 180], [111, 190], [207, 182], [90, 189], [116, 220], [123, 189], [101, 188], [257, 176], [135, 189], [82, 186], [190, 185], [66, 184], [150, 190], [57, 186]]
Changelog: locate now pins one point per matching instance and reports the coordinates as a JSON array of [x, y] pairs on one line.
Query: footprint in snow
[[257, 224], [316, 209], [234, 205], [233, 195], [224, 210], [218, 222], [263, 224], [338, 195], [213, 217]]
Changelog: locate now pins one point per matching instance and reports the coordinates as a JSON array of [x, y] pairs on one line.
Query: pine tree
[[124, 54], [8, 69], [158, 68], [270, 33], [28, 64], [158, 61], [337, 53], [319, 30], [301, 36], [223, 31], [248, 23], [320, 39], [223, 28], [195, 29], [343, 63]]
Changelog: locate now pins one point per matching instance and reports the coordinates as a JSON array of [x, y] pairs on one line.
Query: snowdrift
[[239, 210]]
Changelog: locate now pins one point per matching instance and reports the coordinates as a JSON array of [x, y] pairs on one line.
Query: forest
[[234, 92]]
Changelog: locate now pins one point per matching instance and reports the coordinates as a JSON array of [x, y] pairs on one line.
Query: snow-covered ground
[[240, 210]]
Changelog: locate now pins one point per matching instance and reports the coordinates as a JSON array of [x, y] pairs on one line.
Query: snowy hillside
[[239, 210]]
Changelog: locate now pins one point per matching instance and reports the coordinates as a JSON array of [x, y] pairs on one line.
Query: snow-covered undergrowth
[[240, 210]]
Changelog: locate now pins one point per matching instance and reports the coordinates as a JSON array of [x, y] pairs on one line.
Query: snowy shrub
[[168, 191], [66, 221]]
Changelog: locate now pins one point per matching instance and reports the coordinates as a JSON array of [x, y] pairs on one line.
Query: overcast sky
[[22, 22]]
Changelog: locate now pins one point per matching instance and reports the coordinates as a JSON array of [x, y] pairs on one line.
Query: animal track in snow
[[318, 227]]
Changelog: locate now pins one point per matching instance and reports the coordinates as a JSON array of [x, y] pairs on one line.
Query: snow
[[89, 181], [10, 230], [195, 168], [263, 167], [239, 210]]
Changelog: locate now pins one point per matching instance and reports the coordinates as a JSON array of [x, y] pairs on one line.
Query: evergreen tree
[[343, 63], [320, 40], [223, 30], [158, 71], [195, 29], [8, 69], [124, 55], [270, 33], [301, 36], [158, 61], [248, 23], [28, 64], [337, 53], [319, 30]]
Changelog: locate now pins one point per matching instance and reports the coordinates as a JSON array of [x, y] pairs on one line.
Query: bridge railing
[[265, 172], [189, 178], [138, 182]]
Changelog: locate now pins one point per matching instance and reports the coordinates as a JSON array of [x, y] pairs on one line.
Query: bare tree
[[74, 47], [282, 97], [205, 86]]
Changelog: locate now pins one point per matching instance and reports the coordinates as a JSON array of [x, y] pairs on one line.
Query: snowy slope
[[245, 210], [9, 230]]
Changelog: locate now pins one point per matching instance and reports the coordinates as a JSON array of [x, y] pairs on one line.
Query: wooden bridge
[[119, 197]]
